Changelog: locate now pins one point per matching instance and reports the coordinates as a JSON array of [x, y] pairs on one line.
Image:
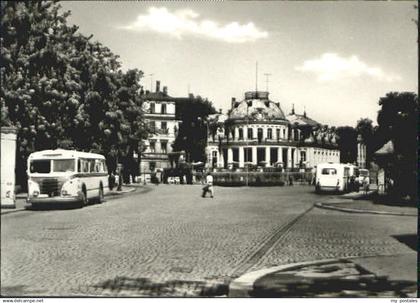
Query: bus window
[[40, 166], [329, 171], [98, 166], [82, 166], [63, 165], [92, 166]]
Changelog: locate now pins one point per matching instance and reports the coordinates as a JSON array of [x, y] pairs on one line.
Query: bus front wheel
[[83, 201]]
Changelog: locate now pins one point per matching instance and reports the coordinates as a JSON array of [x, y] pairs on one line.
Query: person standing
[[208, 187]]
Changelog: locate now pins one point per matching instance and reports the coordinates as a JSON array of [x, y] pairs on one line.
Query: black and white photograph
[[209, 149]]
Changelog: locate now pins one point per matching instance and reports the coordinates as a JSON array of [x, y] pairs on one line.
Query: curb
[[353, 210], [110, 195], [242, 286]]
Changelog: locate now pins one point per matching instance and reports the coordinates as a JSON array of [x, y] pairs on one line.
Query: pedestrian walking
[[208, 187]]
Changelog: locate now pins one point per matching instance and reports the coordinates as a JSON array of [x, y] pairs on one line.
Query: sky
[[334, 59]]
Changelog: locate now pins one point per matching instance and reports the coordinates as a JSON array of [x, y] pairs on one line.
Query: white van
[[333, 177], [66, 176]]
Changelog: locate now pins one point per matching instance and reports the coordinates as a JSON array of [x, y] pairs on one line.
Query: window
[[92, 167], [40, 166], [329, 171], [303, 156], [278, 134], [284, 133], [152, 146], [269, 134], [248, 154], [152, 108], [163, 147], [99, 166], [163, 109], [260, 134], [82, 166], [63, 165], [241, 134], [249, 133], [164, 125]]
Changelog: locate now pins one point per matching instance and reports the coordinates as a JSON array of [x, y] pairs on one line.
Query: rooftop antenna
[[266, 80], [256, 76]]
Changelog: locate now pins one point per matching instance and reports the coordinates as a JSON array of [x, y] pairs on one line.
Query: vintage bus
[[66, 176], [337, 177]]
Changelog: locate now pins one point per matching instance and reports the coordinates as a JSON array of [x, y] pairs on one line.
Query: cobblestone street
[[171, 242]]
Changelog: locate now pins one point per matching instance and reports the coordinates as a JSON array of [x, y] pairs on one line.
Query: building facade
[[160, 110], [256, 132]]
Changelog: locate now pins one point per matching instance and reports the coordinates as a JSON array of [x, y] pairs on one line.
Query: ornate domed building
[[256, 132]]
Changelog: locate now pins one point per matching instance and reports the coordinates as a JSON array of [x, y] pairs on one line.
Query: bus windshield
[[63, 165], [40, 166]]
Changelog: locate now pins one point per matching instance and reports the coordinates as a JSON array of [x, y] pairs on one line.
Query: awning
[[386, 149]]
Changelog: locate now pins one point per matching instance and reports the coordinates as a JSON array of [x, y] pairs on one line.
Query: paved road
[[171, 242]]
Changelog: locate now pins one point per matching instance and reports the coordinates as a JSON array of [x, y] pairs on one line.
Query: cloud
[[331, 66], [186, 22]]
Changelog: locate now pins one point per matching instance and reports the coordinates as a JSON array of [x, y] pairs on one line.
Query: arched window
[[269, 134], [250, 133]]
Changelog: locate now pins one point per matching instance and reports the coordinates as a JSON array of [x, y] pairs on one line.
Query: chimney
[[157, 86], [233, 102], [165, 90]]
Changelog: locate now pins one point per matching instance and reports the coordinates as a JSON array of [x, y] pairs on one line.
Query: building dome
[[258, 107]]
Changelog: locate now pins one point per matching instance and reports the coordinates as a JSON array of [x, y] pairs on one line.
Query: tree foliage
[[397, 121], [347, 144], [61, 89], [192, 134]]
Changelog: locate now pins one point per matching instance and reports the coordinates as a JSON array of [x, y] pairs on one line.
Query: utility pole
[[266, 80]]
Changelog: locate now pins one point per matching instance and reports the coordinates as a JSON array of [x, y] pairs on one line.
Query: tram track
[[267, 244]]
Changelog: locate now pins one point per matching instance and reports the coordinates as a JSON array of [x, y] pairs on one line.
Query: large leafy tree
[[192, 134], [397, 121], [347, 144], [60, 89]]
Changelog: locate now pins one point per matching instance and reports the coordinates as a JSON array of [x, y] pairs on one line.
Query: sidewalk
[[361, 203], [373, 276], [22, 205], [377, 276]]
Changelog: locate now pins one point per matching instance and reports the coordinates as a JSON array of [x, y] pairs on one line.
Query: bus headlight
[[69, 188], [33, 188]]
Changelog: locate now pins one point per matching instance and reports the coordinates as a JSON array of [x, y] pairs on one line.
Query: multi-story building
[[160, 110], [256, 131]]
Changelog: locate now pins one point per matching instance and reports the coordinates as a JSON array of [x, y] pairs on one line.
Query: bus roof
[[63, 153]]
